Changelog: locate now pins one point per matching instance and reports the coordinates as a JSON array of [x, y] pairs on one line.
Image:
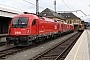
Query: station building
[[51, 14], [71, 19]]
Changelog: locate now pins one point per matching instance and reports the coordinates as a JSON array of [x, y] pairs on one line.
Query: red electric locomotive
[[26, 29]]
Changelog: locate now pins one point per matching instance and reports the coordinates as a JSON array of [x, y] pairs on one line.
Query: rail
[[57, 52]]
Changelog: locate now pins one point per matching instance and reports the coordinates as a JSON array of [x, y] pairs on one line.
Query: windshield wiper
[[20, 22]]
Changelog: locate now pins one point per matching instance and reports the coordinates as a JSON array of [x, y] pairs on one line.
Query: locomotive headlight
[[28, 31]]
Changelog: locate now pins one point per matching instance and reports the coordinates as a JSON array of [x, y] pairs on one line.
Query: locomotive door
[[34, 28]]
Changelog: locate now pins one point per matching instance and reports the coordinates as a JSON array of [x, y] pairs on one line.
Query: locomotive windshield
[[20, 22]]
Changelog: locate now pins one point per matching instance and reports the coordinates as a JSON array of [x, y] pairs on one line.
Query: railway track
[[59, 51], [10, 51]]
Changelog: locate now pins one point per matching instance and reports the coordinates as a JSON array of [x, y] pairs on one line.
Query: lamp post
[[55, 5], [37, 7]]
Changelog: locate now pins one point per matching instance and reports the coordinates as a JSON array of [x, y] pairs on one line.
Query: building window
[[77, 21], [67, 21], [74, 21], [70, 21]]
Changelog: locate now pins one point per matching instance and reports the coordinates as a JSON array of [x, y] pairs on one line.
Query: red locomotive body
[[47, 26], [71, 27], [26, 29]]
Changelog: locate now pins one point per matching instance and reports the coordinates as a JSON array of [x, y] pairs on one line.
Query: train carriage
[[80, 27]]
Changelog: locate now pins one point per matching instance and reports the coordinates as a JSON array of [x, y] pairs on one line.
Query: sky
[[81, 8]]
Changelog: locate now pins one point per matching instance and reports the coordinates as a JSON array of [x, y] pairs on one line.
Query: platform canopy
[[8, 13]]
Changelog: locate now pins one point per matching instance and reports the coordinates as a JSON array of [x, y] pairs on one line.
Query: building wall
[[73, 21]]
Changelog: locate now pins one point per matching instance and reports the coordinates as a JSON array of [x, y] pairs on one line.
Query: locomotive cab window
[[34, 22], [20, 22]]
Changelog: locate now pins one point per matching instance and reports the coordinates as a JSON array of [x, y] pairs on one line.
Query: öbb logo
[[17, 32]]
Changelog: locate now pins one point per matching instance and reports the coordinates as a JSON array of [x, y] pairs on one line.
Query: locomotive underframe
[[29, 40]]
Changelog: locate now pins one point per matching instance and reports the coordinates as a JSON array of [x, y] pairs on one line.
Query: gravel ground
[[26, 55], [3, 39]]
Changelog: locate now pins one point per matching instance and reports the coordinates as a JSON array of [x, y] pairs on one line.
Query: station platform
[[3, 37], [3, 34], [81, 50]]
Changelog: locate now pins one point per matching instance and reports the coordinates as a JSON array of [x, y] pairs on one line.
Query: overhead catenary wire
[[45, 3], [12, 7], [16, 7], [29, 2], [32, 3], [70, 4], [19, 8], [66, 4], [20, 3]]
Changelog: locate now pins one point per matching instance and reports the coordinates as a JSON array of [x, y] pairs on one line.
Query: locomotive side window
[[34, 22]]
